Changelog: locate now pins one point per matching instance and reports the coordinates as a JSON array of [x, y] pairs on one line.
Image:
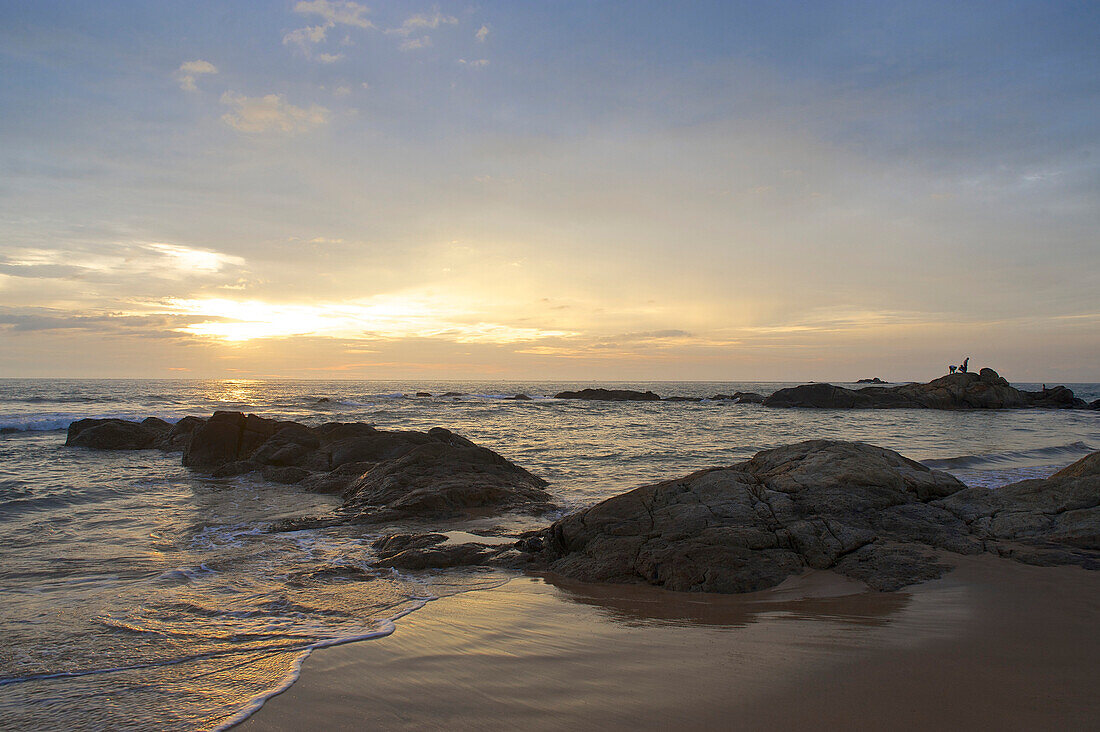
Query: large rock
[[444, 479], [862, 511], [855, 508], [113, 434], [609, 395], [382, 475], [983, 390]]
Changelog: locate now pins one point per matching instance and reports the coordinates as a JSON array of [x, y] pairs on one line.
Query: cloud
[[270, 112], [303, 38], [329, 58], [475, 64], [414, 43], [482, 34], [341, 91], [110, 260], [341, 12], [188, 70], [431, 20]]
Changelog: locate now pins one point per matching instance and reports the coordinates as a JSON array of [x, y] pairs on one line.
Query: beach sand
[[993, 645]]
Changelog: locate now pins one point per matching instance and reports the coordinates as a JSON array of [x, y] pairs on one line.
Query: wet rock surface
[[862, 511], [609, 395], [983, 390]]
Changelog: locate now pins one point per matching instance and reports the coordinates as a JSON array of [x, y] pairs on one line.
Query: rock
[[682, 399], [227, 437], [179, 436], [964, 390], [609, 395], [337, 480], [229, 470], [423, 394], [112, 434], [444, 479], [521, 398], [1051, 521], [286, 474], [454, 394], [1095, 404], [749, 526], [415, 552], [875, 380], [748, 397]]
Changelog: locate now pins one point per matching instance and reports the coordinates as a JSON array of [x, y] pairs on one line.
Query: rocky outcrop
[[1051, 521], [120, 434], [862, 511], [983, 390], [609, 395], [875, 380]]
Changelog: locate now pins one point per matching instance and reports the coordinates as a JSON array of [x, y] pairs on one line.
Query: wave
[[52, 422], [1022, 458]]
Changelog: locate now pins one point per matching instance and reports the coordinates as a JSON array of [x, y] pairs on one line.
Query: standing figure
[[964, 363]]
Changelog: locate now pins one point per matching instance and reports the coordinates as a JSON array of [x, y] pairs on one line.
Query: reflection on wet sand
[[814, 596]]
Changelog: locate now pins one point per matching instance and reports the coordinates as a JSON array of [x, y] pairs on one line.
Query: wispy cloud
[[342, 12], [482, 34], [430, 20], [270, 112], [304, 38], [479, 63], [413, 44], [190, 70]]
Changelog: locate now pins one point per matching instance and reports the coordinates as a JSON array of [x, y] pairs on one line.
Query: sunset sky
[[550, 190]]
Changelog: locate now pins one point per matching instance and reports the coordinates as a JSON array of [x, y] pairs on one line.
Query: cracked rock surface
[[860, 510]]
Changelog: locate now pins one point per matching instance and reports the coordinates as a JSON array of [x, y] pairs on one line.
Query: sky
[[617, 191]]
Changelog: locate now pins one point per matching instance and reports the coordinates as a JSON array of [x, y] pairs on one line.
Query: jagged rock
[[113, 434], [609, 395], [750, 526], [286, 474], [966, 390], [1057, 519], [875, 380], [444, 479], [228, 437], [179, 436]]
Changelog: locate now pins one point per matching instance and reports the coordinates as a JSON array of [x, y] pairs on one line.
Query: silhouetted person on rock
[[953, 368], [962, 368]]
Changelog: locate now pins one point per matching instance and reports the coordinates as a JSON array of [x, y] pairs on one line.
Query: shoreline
[[993, 644]]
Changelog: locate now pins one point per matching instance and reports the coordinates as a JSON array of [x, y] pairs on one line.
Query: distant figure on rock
[[964, 363], [953, 368]]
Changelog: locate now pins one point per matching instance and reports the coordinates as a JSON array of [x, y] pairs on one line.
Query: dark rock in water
[[750, 526], [1095, 404], [393, 544], [875, 380], [609, 395], [179, 437], [227, 437], [444, 480], [9, 430], [967, 390], [682, 399], [286, 474], [423, 394], [336, 480], [520, 398], [454, 394], [112, 434], [414, 552], [739, 397]]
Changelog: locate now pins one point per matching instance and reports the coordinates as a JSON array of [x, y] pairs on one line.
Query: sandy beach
[[993, 645]]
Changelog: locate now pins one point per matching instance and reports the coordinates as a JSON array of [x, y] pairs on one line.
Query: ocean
[[136, 594]]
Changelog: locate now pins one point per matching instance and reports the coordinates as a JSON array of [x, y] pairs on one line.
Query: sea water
[[136, 594]]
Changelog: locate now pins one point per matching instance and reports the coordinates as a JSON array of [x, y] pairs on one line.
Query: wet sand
[[994, 645]]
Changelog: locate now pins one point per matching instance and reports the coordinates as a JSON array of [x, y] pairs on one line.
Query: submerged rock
[[983, 390], [609, 395], [862, 511]]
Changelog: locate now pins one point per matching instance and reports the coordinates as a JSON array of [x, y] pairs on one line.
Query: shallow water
[[137, 594]]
